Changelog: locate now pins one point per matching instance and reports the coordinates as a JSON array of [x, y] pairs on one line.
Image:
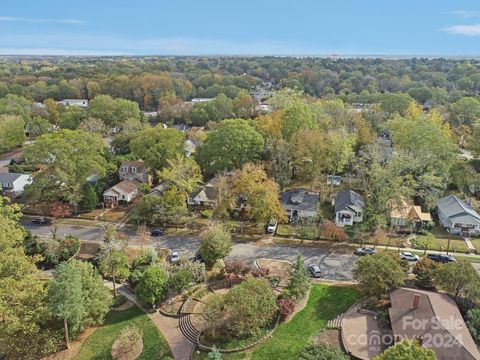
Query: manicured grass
[[476, 243], [441, 244], [325, 303], [98, 346]]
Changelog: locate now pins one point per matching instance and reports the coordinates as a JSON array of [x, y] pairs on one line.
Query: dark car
[[365, 251], [40, 221], [198, 258], [441, 258], [157, 232]]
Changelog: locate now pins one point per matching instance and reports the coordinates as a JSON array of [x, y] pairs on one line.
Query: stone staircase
[[187, 328], [335, 323]]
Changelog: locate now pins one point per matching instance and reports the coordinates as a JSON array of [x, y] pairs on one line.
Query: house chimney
[[416, 301]]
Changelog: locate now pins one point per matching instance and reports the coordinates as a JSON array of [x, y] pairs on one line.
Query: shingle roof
[[139, 164], [347, 198], [438, 316], [9, 177], [125, 186], [300, 199], [457, 209]]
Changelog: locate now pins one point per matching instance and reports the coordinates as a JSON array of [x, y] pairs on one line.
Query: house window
[[134, 169], [123, 197], [125, 168]]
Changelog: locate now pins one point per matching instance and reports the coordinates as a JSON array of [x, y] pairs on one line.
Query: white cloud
[[469, 30], [41, 21], [467, 13]]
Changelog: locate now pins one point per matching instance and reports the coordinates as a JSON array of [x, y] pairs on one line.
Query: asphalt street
[[334, 266]]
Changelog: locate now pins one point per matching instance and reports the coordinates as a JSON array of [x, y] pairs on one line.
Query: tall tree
[[216, 243], [157, 146], [12, 132], [66, 299], [459, 279], [298, 281], [230, 145], [65, 159], [113, 260]]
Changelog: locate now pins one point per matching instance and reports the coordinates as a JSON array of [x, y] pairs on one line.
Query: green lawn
[[441, 244], [289, 339], [98, 346]]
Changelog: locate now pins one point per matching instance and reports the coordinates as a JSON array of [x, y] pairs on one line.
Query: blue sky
[[252, 27]]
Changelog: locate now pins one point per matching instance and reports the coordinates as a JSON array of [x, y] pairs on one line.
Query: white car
[[174, 257], [408, 256], [272, 226]]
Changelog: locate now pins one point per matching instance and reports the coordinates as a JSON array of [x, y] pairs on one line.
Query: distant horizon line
[[332, 55]]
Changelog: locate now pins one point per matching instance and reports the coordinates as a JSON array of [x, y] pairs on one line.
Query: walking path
[[169, 327]]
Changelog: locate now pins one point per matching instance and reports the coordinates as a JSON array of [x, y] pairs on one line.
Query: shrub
[[286, 307], [262, 272], [424, 271], [216, 244], [322, 351], [206, 214], [473, 323], [237, 267], [332, 232]]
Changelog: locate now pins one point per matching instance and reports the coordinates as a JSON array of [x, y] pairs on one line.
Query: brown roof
[[139, 164], [126, 186], [406, 210], [435, 320]]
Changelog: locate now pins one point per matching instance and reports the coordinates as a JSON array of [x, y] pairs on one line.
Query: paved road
[[334, 266]]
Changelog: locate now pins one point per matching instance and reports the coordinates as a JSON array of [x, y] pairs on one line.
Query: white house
[[124, 191], [83, 103], [335, 180], [349, 207], [12, 184], [458, 217]]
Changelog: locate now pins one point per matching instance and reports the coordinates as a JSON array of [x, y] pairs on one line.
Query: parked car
[[40, 221], [157, 232], [408, 256], [365, 251], [272, 226], [174, 257], [441, 258], [198, 258], [314, 270]]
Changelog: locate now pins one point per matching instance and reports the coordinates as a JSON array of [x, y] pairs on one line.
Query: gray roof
[[300, 199], [348, 198], [458, 210], [9, 177]]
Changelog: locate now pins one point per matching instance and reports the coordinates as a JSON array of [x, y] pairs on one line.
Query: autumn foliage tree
[[332, 232]]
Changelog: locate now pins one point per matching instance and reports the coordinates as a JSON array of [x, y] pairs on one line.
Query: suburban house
[[134, 170], [349, 207], [160, 189], [431, 318], [439, 318], [131, 175], [300, 204], [204, 196], [404, 215], [83, 103], [124, 191], [458, 217], [12, 184]]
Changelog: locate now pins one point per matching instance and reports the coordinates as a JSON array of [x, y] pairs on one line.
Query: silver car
[[314, 270]]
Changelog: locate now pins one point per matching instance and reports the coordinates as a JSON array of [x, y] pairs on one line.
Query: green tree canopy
[[12, 132], [157, 146], [231, 144], [407, 350], [65, 159], [216, 243], [152, 284], [378, 274]]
